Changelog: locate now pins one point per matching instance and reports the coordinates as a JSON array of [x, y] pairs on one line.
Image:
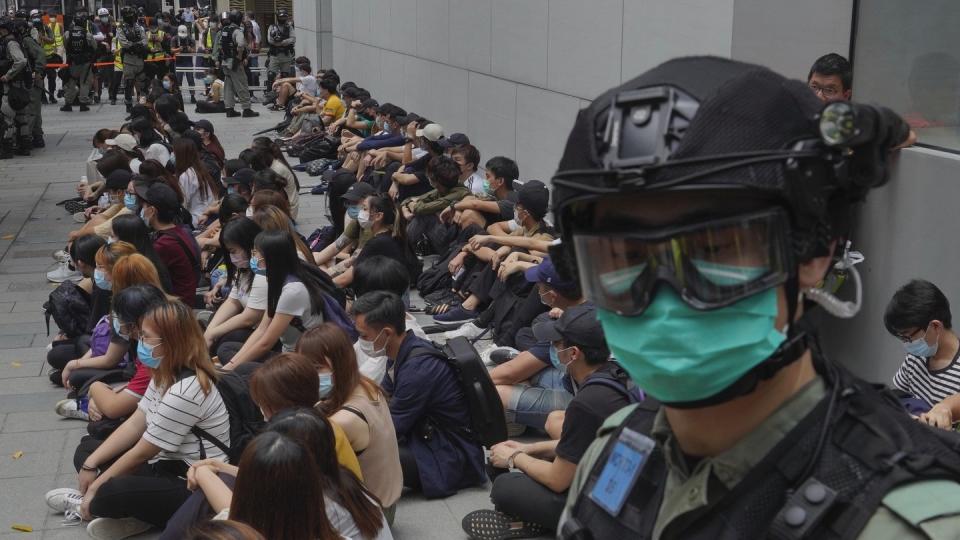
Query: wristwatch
[[512, 458]]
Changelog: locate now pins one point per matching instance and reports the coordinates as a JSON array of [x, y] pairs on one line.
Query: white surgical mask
[[363, 218], [249, 212], [369, 346]]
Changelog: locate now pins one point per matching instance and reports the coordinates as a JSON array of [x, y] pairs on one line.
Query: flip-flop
[[493, 525]]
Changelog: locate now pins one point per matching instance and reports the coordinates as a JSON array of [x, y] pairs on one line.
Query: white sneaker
[[61, 255], [69, 408], [80, 217], [61, 500], [495, 355], [116, 529], [63, 273], [467, 330]]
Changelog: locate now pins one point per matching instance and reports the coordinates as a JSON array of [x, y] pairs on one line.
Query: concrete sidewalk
[[31, 228]]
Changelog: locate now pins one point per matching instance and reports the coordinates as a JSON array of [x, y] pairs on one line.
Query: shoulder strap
[[184, 246], [355, 411]]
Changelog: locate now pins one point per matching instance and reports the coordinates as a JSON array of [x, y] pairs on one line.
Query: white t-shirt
[[193, 199], [171, 416], [295, 300], [475, 183], [244, 295], [293, 195], [308, 85], [375, 367]]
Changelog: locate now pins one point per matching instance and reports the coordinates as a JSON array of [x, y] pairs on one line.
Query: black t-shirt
[[418, 168], [506, 206], [586, 413]]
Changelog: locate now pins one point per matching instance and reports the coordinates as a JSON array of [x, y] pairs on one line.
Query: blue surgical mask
[[326, 384], [353, 211], [166, 85], [386, 126], [130, 201], [145, 354], [555, 359], [116, 328], [208, 80], [100, 278], [680, 354], [920, 347], [232, 189], [486, 187], [255, 267]]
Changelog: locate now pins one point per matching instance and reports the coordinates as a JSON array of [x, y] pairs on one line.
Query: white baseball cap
[[123, 140], [432, 132], [103, 11]]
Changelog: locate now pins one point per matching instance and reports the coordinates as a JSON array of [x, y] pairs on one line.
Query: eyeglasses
[[912, 336], [825, 91], [711, 264]]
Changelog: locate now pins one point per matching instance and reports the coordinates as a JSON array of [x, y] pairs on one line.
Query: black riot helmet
[[128, 14], [282, 16], [80, 18], [6, 25], [21, 28], [235, 17], [21, 14]]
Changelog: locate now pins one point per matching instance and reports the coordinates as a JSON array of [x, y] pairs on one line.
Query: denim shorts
[[531, 403]]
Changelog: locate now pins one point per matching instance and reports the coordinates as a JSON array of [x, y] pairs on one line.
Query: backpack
[[246, 420], [621, 383], [321, 238], [488, 424], [317, 166], [70, 309]]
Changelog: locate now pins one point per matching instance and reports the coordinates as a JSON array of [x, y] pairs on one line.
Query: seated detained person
[[703, 268]]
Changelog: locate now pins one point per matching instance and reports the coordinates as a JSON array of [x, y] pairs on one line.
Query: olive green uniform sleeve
[[929, 509]]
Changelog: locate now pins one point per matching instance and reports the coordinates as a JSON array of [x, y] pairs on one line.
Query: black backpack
[[246, 420], [488, 425], [70, 309]]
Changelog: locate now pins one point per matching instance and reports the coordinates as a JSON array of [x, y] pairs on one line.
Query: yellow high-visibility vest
[[51, 48], [117, 55], [155, 47]]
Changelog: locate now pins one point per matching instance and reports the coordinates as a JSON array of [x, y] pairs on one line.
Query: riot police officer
[[232, 53], [81, 52], [280, 54], [132, 40], [705, 201], [37, 61], [14, 67]]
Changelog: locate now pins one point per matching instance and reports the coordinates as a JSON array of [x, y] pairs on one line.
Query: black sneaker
[[113, 102], [43, 99], [232, 113], [38, 141], [193, 99], [67, 108], [84, 108], [96, 99], [249, 113]]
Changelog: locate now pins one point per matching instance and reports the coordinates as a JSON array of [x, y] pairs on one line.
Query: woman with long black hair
[[199, 188], [235, 319], [270, 155], [130, 228], [299, 296], [379, 215]]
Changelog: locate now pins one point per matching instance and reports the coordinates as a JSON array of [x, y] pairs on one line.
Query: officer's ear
[[812, 272]]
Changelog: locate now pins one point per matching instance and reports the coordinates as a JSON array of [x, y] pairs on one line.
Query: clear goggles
[[710, 264]]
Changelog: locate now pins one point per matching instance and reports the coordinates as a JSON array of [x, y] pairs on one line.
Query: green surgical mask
[[679, 354]]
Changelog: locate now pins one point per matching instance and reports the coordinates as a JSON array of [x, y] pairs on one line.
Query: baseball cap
[[431, 132], [358, 191], [577, 326], [545, 272], [124, 141], [455, 139], [534, 196], [205, 125], [369, 102], [243, 177], [161, 196]]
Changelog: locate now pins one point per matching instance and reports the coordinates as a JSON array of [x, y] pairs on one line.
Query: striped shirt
[[916, 379], [171, 416]]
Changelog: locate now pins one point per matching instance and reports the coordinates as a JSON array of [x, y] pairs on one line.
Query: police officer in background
[[132, 39], [37, 61], [232, 53], [280, 54], [51, 37], [706, 200], [103, 32], [81, 51], [13, 68]]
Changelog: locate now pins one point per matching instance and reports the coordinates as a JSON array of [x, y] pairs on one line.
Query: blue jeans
[[531, 403]]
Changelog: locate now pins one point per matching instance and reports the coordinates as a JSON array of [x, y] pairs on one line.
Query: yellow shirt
[[334, 107]]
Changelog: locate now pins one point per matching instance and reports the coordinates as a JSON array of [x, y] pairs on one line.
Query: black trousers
[[194, 511], [337, 187], [151, 493], [409, 468], [522, 497]]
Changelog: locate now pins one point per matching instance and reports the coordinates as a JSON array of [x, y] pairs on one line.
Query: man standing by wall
[[281, 40]]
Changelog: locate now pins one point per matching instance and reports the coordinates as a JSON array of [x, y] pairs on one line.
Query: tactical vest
[[870, 447], [78, 50], [228, 47], [284, 33], [132, 33]]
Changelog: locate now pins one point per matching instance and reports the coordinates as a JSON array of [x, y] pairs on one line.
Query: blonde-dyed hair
[[108, 255], [183, 346], [134, 270]]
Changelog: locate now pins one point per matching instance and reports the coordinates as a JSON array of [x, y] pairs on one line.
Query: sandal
[[493, 525]]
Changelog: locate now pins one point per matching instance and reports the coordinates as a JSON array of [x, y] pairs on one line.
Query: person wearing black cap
[[454, 141], [210, 141], [115, 185], [353, 234], [423, 212], [241, 182], [176, 247], [360, 118], [702, 234], [481, 267], [536, 494]]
